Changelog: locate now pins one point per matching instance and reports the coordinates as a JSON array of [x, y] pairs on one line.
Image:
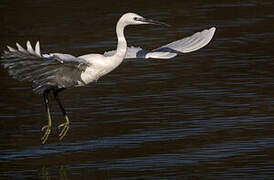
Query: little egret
[[55, 72]]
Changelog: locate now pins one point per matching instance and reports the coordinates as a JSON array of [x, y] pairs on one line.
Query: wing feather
[[29, 48], [191, 43], [37, 48], [57, 70], [185, 45]]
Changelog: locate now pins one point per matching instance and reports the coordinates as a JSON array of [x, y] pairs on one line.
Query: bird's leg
[[65, 125], [46, 127]]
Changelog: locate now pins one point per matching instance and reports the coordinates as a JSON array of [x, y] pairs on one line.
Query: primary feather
[[185, 45], [53, 70]]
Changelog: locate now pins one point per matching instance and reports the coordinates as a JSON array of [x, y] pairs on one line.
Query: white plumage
[[55, 72], [184, 45]]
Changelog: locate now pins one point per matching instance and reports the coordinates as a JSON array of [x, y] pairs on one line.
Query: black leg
[[66, 124], [55, 93], [46, 127]]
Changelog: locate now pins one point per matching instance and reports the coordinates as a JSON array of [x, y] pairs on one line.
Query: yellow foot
[[64, 130], [46, 135]]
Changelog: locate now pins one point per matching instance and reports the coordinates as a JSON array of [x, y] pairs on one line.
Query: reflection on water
[[46, 174], [205, 114]]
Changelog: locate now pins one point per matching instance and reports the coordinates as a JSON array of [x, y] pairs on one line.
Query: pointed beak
[[150, 21]]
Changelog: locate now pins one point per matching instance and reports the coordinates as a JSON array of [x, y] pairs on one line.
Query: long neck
[[122, 43]]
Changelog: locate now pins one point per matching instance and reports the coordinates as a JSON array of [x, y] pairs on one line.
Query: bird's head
[[135, 19]]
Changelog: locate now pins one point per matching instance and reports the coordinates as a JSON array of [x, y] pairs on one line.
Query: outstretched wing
[[45, 71], [139, 53], [185, 45]]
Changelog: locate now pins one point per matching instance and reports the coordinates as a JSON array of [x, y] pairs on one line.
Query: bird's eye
[[135, 18]]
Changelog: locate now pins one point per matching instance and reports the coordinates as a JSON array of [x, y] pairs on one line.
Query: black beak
[[150, 21]]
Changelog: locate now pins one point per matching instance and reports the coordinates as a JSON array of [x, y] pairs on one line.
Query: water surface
[[206, 114]]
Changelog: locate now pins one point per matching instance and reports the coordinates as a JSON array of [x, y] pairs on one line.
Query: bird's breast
[[92, 74], [99, 67]]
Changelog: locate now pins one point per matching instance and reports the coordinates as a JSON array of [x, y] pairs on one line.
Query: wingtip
[[210, 32], [29, 47], [28, 44], [11, 49], [213, 29], [37, 48], [19, 47]]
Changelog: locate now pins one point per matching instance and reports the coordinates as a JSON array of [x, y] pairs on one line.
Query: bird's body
[[56, 71]]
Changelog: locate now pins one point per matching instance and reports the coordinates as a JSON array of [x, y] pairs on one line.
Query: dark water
[[205, 115]]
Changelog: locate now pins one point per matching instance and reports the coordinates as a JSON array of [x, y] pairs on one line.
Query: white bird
[[56, 71]]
